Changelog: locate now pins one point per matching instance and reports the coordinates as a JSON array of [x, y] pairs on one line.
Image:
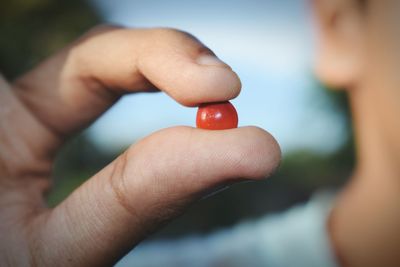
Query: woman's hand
[[151, 182]]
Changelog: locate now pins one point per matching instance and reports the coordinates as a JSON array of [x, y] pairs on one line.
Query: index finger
[[71, 89]]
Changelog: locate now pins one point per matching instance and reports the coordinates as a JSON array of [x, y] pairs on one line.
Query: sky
[[269, 43]]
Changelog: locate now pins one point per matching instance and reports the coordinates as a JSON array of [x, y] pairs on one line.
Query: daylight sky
[[269, 43]]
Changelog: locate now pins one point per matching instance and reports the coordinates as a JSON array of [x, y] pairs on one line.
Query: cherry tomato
[[217, 116]]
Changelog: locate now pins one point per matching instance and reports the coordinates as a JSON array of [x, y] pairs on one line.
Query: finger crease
[[118, 185]]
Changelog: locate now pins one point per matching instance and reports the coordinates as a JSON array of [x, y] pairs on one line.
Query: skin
[[358, 50], [150, 183]]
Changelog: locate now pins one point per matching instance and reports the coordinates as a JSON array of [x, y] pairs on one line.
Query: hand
[[150, 183]]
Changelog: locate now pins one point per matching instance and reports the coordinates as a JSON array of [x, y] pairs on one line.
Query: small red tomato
[[217, 116]]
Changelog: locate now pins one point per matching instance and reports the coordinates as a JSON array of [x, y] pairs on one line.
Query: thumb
[[149, 184]]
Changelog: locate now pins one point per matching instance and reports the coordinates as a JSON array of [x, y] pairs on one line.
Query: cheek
[[384, 40], [384, 63]]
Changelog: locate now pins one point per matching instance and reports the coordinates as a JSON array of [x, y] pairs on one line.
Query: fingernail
[[210, 60]]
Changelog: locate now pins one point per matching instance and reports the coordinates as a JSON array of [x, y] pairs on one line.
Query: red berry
[[217, 116]]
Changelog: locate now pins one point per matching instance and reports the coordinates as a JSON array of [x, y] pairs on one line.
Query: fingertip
[[247, 152], [185, 69], [207, 83], [221, 76], [255, 153], [269, 150]]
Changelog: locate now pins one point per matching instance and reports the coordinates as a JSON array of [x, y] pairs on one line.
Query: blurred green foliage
[[77, 160], [33, 29]]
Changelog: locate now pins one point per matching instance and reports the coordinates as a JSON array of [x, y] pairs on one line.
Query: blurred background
[[268, 43]]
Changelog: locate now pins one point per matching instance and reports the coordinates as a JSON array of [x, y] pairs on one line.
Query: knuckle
[[118, 184], [90, 34]]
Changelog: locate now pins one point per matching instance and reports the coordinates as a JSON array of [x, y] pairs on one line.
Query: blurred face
[[382, 73], [359, 50], [383, 43], [359, 43], [358, 40]]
